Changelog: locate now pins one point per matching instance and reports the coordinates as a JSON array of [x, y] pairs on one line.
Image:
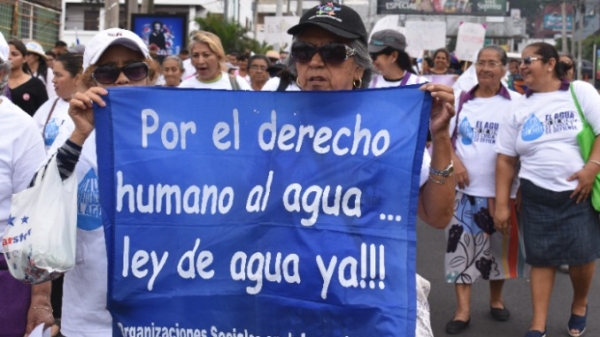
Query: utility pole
[[299, 8], [132, 8], [278, 10], [563, 10], [255, 20], [148, 6], [226, 11], [580, 16], [111, 14]]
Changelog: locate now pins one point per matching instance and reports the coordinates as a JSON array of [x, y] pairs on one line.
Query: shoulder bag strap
[[50, 115], [406, 77], [581, 115]]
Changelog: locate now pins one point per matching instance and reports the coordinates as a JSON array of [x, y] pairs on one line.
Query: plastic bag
[[39, 241]]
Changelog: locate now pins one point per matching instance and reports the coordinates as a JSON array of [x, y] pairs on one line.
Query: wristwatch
[[447, 172]]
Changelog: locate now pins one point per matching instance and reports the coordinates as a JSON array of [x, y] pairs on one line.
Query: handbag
[[585, 139], [39, 240]]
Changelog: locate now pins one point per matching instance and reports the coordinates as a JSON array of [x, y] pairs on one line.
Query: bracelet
[[594, 161], [44, 308], [447, 172], [439, 182]]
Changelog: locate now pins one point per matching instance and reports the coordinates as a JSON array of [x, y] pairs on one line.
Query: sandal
[[535, 333], [578, 323]]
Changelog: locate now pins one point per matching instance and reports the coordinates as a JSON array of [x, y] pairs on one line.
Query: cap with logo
[[109, 37], [387, 38], [4, 49], [35, 48], [340, 20]]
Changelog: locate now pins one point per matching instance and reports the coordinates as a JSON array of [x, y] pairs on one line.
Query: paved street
[[430, 264]]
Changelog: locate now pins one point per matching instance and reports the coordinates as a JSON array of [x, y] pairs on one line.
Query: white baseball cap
[[112, 36], [4, 50]]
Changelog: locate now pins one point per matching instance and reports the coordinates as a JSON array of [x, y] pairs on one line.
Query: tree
[[233, 36]]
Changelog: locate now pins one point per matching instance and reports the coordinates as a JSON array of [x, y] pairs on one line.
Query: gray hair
[[362, 59], [4, 66], [176, 59], [501, 52]]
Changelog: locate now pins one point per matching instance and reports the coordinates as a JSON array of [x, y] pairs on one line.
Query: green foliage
[[233, 36], [587, 52]]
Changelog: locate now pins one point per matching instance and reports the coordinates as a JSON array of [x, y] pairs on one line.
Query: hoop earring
[[356, 85]]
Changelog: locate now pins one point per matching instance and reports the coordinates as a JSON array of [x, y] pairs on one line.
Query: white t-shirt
[[48, 83], [222, 83], [542, 130], [60, 116], [85, 286], [479, 122], [273, 83], [189, 68], [21, 154], [380, 82]]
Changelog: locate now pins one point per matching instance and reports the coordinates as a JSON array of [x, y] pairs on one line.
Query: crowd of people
[[503, 174]]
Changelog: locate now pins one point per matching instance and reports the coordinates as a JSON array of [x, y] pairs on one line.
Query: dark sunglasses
[[109, 74], [331, 53], [527, 61]]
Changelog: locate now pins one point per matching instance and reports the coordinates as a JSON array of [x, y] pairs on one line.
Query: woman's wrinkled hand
[[442, 108], [38, 315], [82, 114], [501, 219], [461, 176], [585, 177]]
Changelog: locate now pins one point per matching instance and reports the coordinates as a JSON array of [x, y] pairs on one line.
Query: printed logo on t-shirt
[[88, 204], [484, 132], [562, 121], [466, 132], [51, 132], [26, 97], [532, 129]]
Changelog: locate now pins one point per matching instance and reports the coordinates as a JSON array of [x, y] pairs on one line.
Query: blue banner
[[261, 214]]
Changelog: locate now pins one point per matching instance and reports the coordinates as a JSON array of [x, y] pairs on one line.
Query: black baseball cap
[[387, 38], [340, 20]]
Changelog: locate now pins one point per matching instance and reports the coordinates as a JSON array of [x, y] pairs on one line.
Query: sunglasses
[[109, 74], [527, 61], [331, 53]]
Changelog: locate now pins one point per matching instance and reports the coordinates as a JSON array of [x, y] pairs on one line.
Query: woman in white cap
[[208, 57], [391, 61], [26, 91], [114, 57], [36, 60], [21, 151]]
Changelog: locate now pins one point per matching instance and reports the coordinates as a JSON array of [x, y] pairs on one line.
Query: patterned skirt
[[476, 250]]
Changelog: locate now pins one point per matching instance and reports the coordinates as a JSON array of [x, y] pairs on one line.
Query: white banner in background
[[276, 28], [471, 37]]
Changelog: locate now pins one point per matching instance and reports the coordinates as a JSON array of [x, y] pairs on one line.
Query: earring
[[298, 84], [357, 85]]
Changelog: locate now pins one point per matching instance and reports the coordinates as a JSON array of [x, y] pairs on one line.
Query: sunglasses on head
[[108, 74], [527, 61], [331, 53]]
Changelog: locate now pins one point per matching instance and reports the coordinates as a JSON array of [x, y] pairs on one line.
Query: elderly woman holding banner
[[331, 54]]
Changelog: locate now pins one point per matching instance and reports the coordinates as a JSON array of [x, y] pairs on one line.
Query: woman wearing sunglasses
[[114, 57], [208, 57], [329, 52], [560, 225], [391, 61]]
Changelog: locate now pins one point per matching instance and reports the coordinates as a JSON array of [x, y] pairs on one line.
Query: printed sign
[[164, 34], [425, 35], [470, 39], [436, 7], [261, 214]]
